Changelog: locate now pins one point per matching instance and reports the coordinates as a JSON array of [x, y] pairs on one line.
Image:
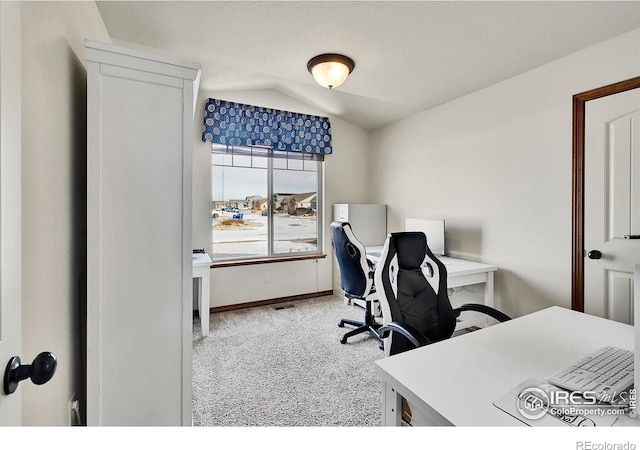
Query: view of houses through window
[[265, 203]]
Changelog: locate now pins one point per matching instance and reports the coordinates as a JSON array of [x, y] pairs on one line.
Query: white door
[[10, 198], [612, 204]]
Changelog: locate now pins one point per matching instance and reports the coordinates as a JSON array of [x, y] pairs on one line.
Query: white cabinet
[[368, 221], [139, 250]]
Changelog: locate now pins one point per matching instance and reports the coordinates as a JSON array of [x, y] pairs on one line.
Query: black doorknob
[[594, 254], [40, 371]]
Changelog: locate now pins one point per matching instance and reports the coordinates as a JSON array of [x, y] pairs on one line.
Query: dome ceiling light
[[330, 70]]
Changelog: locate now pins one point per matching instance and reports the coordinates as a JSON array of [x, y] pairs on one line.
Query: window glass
[[295, 222], [295, 164], [223, 159], [311, 165], [279, 162], [265, 203], [239, 228], [242, 160]]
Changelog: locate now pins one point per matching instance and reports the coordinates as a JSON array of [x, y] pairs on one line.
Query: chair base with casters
[[369, 325]]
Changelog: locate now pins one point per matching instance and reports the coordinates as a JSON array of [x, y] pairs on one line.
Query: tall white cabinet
[[139, 250], [368, 221]]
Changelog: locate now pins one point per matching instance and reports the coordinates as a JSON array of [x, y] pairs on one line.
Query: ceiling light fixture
[[330, 70]]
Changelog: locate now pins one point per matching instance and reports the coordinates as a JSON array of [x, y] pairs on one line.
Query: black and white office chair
[[415, 306], [356, 277]]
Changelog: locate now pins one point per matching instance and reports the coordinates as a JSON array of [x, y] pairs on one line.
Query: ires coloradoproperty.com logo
[[573, 408]]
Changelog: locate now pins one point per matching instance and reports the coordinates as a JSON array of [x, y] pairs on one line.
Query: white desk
[[202, 272], [454, 382], [460, 272]]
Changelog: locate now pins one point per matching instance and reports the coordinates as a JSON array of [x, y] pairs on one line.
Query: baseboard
[[270, 301]]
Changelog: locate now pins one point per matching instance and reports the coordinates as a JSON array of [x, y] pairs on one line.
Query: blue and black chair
[[356, 278]]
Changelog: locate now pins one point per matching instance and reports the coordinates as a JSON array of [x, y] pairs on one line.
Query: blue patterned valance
[[231, 123]]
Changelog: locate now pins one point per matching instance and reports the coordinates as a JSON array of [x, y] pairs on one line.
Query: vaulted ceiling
[[409, 56]]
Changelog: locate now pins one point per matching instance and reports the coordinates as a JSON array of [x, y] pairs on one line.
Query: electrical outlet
[[267, 278]]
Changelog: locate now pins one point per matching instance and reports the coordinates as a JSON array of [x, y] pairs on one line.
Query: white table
[[202, 272], [455, 382], [460, 273]]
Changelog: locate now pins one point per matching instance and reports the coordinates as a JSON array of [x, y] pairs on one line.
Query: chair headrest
[[340, 225], [411, 248], [339, 229], [342, 233]]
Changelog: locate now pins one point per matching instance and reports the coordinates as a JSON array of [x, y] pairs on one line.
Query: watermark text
[[590, 445]]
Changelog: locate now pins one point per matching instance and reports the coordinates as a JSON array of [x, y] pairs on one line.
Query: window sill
[[277, 259]]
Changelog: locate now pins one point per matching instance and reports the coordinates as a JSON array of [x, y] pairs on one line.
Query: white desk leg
[[488, 290], [391, 406], [488, 295], [204, 299], [199, 293]]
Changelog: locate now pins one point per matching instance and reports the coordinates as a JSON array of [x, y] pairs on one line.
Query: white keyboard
[[607, 372]]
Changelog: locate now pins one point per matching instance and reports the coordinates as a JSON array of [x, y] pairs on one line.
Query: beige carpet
[[285, 367]]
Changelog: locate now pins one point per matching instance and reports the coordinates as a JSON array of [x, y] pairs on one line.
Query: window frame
[[272, 155]]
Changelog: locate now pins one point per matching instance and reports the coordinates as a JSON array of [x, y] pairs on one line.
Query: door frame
[[11, 202], [577, 206]]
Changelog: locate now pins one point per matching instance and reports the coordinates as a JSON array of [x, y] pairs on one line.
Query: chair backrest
[[408, 295], [351, 254]]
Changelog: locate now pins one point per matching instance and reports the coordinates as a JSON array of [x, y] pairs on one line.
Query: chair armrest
[[414, 336], [488, 310]]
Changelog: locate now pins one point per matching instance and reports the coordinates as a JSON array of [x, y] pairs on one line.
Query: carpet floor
[[285, 366]]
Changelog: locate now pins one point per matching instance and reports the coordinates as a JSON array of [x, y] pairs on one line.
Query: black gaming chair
[[356, 277], [415, 307]]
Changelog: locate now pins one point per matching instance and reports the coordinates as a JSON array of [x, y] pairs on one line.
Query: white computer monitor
[[433, 229]]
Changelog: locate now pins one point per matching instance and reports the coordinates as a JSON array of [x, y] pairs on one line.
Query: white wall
[[496, 164], [346, 179], [54, 197]]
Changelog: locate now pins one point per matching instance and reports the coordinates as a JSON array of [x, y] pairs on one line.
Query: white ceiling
[[409, 56]]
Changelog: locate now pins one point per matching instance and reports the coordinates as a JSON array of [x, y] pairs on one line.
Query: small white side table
[[202, 271]]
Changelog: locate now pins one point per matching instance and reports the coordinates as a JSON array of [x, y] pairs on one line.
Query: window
[[266, 203]]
